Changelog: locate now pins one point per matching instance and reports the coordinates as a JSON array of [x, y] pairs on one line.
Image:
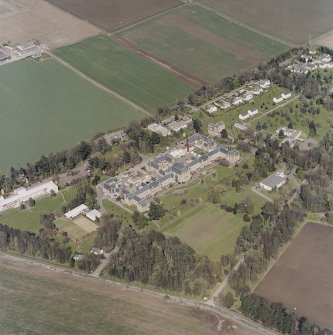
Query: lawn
[[202, 42], [45, 108], [29, 219], [117, 211], [73, 231], [207, 229], [137, 79], [38, 301]]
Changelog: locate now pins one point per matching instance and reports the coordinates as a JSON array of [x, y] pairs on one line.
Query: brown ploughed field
[[111, 15], [302, 278]]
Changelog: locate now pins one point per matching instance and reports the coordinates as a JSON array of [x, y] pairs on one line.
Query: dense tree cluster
[[155, 260]]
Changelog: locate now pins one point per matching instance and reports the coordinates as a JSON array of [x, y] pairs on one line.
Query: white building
[[214, 129], [264, 83], [278, 100], [237, 101], [286, 96], [252, 112], [240, 126], [244, 116], [93, 215], [276, 180], [211, 109], [256, 90], [76, 211], [159, 129], [22, 194], [247, 96]]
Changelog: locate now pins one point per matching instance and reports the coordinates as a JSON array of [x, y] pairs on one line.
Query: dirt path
[[92, 81], [186, 77]]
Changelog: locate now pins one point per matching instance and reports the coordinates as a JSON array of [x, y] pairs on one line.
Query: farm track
[[234, 316], [98, 85], [186, 77]]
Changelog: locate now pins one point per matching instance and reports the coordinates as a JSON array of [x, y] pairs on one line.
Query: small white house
[[93, 215], [252, 112], [211, 109], [244, 116], [286, 95], [264, 83], [278, 100]]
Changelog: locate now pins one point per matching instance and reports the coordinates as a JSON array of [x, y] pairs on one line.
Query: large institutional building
[[138, 186], [22, 194]]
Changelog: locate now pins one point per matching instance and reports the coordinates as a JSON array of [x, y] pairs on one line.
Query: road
[[266, 197], [222, 311], [215, 295]]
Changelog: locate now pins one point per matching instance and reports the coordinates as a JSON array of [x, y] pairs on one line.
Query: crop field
[[29, 219], [22, 20], [115, 14], [302, 278], [294, 21], [72, 305], [209, 230], [46, 108], [201, 42], [139, 80]]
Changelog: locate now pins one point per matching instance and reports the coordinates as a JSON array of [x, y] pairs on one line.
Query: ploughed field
[[137, 79], [46, 107], [22, 20], [302, 278], [295, 21], [111, 15], [34, 300], [200, 42]]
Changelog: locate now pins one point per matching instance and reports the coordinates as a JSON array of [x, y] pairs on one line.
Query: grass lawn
[[117, 211], [137, 79], [29, 219], [73, 231], [207, 229], [45, 108], [202, 43]]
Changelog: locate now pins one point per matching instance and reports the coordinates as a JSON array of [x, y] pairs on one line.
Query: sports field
[[45, 108], [34, 300], [201, 42], [295, 21], [302, 278], [209, 230], [133, 77]]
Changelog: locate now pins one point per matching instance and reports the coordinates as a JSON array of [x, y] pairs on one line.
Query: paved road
[[224, 312], [215, 295], [266, 197], [95, 83]]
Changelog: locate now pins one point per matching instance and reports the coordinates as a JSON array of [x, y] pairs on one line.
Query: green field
[[202, 42], [29, 219], [45, 108], [73, 231], [37, 301], [209, 230], [137, 79]]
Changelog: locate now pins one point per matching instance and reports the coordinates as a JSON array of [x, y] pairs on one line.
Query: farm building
[[214, 129], [22, 194], [276, 180], [76, 211], [93, 215]]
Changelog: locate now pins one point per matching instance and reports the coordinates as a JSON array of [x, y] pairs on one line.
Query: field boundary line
[[121, 30], [244, 25], [99, 85]]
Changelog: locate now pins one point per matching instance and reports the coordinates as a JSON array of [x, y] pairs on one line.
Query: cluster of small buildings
[[82, 209], [137, 187], [238, 96], [27, 49], [115, 136], [170, 125], [282, 97], [291, 136], [22, 194], [274, 181], [248, 114], [310, 62]]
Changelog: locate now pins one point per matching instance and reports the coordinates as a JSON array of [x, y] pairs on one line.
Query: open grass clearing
[[46, 108], [139, 80], [74, 231], [209, 230], [73, 305], [201, 42], [294, 21], [304, 267], [29, 219]]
